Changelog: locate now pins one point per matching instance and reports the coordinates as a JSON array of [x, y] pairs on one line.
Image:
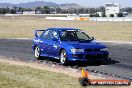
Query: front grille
[[96, 56], [78, 56], [89, 50]]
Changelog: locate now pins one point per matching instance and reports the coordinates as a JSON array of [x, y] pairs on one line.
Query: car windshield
[[74, 36]]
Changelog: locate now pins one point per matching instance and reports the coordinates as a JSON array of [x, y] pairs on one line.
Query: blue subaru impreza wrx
[[68, 45]]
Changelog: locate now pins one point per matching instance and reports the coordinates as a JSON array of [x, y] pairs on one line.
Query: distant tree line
[[14, 10], [49, 10], [127, 9]]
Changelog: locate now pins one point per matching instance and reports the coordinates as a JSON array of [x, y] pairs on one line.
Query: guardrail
[[66, 17], [60, 18], [109, 19]]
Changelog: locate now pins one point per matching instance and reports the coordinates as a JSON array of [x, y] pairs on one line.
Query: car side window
[[47, 35], [54, 34]]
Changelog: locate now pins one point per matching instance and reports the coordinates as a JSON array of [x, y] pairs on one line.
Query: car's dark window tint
[[73, 36], [82, 36]]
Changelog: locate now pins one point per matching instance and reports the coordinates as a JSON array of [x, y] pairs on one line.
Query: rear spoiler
[[36, 32]]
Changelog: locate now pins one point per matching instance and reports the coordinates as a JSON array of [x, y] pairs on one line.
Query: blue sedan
[[68, 45]]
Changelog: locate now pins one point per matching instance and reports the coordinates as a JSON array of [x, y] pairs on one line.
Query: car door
[[53, 45], [44, 42]]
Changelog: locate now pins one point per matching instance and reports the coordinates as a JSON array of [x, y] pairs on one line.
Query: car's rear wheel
[[37, 53], [63, 58]]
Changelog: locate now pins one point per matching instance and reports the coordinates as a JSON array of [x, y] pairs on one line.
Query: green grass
[[12, 76], [6, 82], [23, 27]]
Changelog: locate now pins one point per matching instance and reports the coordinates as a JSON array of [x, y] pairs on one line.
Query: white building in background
[[112, 8], [100, 13]]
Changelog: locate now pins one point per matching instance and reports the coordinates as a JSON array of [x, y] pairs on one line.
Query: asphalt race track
[[119, 65]]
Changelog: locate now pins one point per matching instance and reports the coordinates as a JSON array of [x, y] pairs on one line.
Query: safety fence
[[116, 19], [107, 19]]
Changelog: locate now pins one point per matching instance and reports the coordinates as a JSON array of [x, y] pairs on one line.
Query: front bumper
[[91, 56]]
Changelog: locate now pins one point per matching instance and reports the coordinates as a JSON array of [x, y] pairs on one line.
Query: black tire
[[37, 53], [63, 58], [84, 81], [103, 62], [129, 83]]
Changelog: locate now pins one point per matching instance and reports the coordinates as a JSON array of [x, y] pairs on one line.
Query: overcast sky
[[86, 3]]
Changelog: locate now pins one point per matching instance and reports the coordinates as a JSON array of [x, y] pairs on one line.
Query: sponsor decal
[[55, 46]]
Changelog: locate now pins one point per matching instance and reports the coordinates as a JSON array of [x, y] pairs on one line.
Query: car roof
[[62, 29]]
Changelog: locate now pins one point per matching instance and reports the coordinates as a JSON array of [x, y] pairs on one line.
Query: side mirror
[[55, 39]]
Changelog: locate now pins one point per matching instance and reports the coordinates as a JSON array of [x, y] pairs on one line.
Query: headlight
[[77, 50], [104, 49]]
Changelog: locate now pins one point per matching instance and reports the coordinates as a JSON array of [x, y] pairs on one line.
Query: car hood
[[88, 45]]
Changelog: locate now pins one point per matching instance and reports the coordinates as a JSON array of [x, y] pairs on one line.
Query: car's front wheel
[[63, 58], [37, 53]]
